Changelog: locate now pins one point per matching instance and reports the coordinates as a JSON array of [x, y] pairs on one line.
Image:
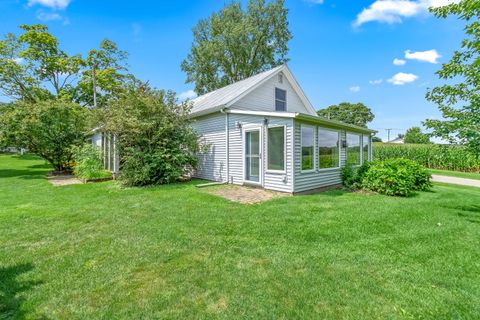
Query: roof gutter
[[334, 123]]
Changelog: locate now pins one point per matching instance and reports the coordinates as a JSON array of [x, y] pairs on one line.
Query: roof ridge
[[222, 96], [240, 81]]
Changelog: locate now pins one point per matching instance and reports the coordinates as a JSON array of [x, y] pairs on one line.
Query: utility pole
[[388, 130], [94, 81]]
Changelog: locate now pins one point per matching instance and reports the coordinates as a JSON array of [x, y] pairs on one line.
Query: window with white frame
[[308, 157], [353, 149], [280, 100], [366, 148], [276, 148], [328, 148]]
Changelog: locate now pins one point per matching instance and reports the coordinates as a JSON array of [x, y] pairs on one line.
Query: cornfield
[[434, 156]]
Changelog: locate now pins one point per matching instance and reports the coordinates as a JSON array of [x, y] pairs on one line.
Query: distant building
[[398, 140]]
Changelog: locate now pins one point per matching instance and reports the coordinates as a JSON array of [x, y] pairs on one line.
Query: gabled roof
[[224, 97]]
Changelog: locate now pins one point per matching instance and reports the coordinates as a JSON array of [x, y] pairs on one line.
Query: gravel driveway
[[454, 180]]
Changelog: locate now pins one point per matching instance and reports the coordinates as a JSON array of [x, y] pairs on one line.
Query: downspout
[[227, 145]]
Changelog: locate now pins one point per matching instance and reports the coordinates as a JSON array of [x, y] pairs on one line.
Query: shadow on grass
[[40, 166], [469, 212], [12, 289], [23, 174]]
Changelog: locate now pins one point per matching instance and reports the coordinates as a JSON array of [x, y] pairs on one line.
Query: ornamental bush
[[396, 177], [89, 162], [352, 176], [156, 142]]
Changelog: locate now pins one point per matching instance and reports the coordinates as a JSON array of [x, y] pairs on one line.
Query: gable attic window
[[280, 78], [280, 100]]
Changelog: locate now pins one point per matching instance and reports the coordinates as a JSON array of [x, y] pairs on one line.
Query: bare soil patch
[[245, 195], [58, 180]]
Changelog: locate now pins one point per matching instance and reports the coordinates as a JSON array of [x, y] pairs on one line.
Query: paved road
[[454, 180]]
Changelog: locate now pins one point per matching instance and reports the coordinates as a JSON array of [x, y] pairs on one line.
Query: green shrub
[[396, 177], [89, 163], [352, 176], [156, 141], [46, 128], [444, 157]]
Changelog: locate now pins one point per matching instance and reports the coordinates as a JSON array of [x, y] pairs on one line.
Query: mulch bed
[[62, 179], [245, 195]]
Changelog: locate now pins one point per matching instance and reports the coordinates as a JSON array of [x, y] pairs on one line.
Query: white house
[[263, 131], [397, 140]]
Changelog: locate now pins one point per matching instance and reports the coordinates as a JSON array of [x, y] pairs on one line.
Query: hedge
[[434, 156]]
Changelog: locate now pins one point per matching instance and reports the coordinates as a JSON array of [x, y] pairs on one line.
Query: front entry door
[[253, 156]]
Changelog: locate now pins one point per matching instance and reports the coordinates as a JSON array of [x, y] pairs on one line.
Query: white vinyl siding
[[315, 178], [263, 98], [280, 181], [212, 162]]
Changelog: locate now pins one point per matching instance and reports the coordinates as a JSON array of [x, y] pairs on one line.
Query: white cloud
[[430, 56], [51, 16], [394, 11], [402, 78], [45, 16], [54, 4], [399, 62], [189, 94], [314, 1], [354, 88], [375, 82]]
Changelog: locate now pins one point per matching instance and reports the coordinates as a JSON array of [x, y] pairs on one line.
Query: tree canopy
[[47, 128], [235, 44], [459, 99], [33, 68], [415, 135], [352, 113]]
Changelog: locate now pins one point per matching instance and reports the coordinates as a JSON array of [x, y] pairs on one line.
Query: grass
[[97, 251], [458, 174]]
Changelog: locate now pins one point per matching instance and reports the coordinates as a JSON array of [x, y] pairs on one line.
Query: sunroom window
[[307, 148], [353, 149], [366, 148], [328, 149], [276, 148]]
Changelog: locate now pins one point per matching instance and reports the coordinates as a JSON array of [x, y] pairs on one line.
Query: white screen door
[[252, 155]]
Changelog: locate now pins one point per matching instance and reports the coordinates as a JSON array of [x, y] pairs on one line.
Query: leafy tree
[[156, 142], [47, 128], [107, 65], [234, 44], [376, 139], [33, 59], [352, 113], [459, 102], [34, 68], [415, 135]]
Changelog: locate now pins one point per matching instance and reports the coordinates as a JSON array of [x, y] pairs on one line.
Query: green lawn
[[458, 174], [97, 251]]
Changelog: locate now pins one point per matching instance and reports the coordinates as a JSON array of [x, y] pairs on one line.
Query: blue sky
[[340, 51]]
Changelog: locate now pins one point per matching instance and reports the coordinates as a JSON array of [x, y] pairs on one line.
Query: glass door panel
[[252, 156]]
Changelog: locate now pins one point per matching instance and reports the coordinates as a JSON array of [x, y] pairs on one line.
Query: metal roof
[[215, 100]]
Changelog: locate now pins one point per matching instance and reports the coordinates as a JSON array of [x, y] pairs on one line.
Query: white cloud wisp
[[401, 78]]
